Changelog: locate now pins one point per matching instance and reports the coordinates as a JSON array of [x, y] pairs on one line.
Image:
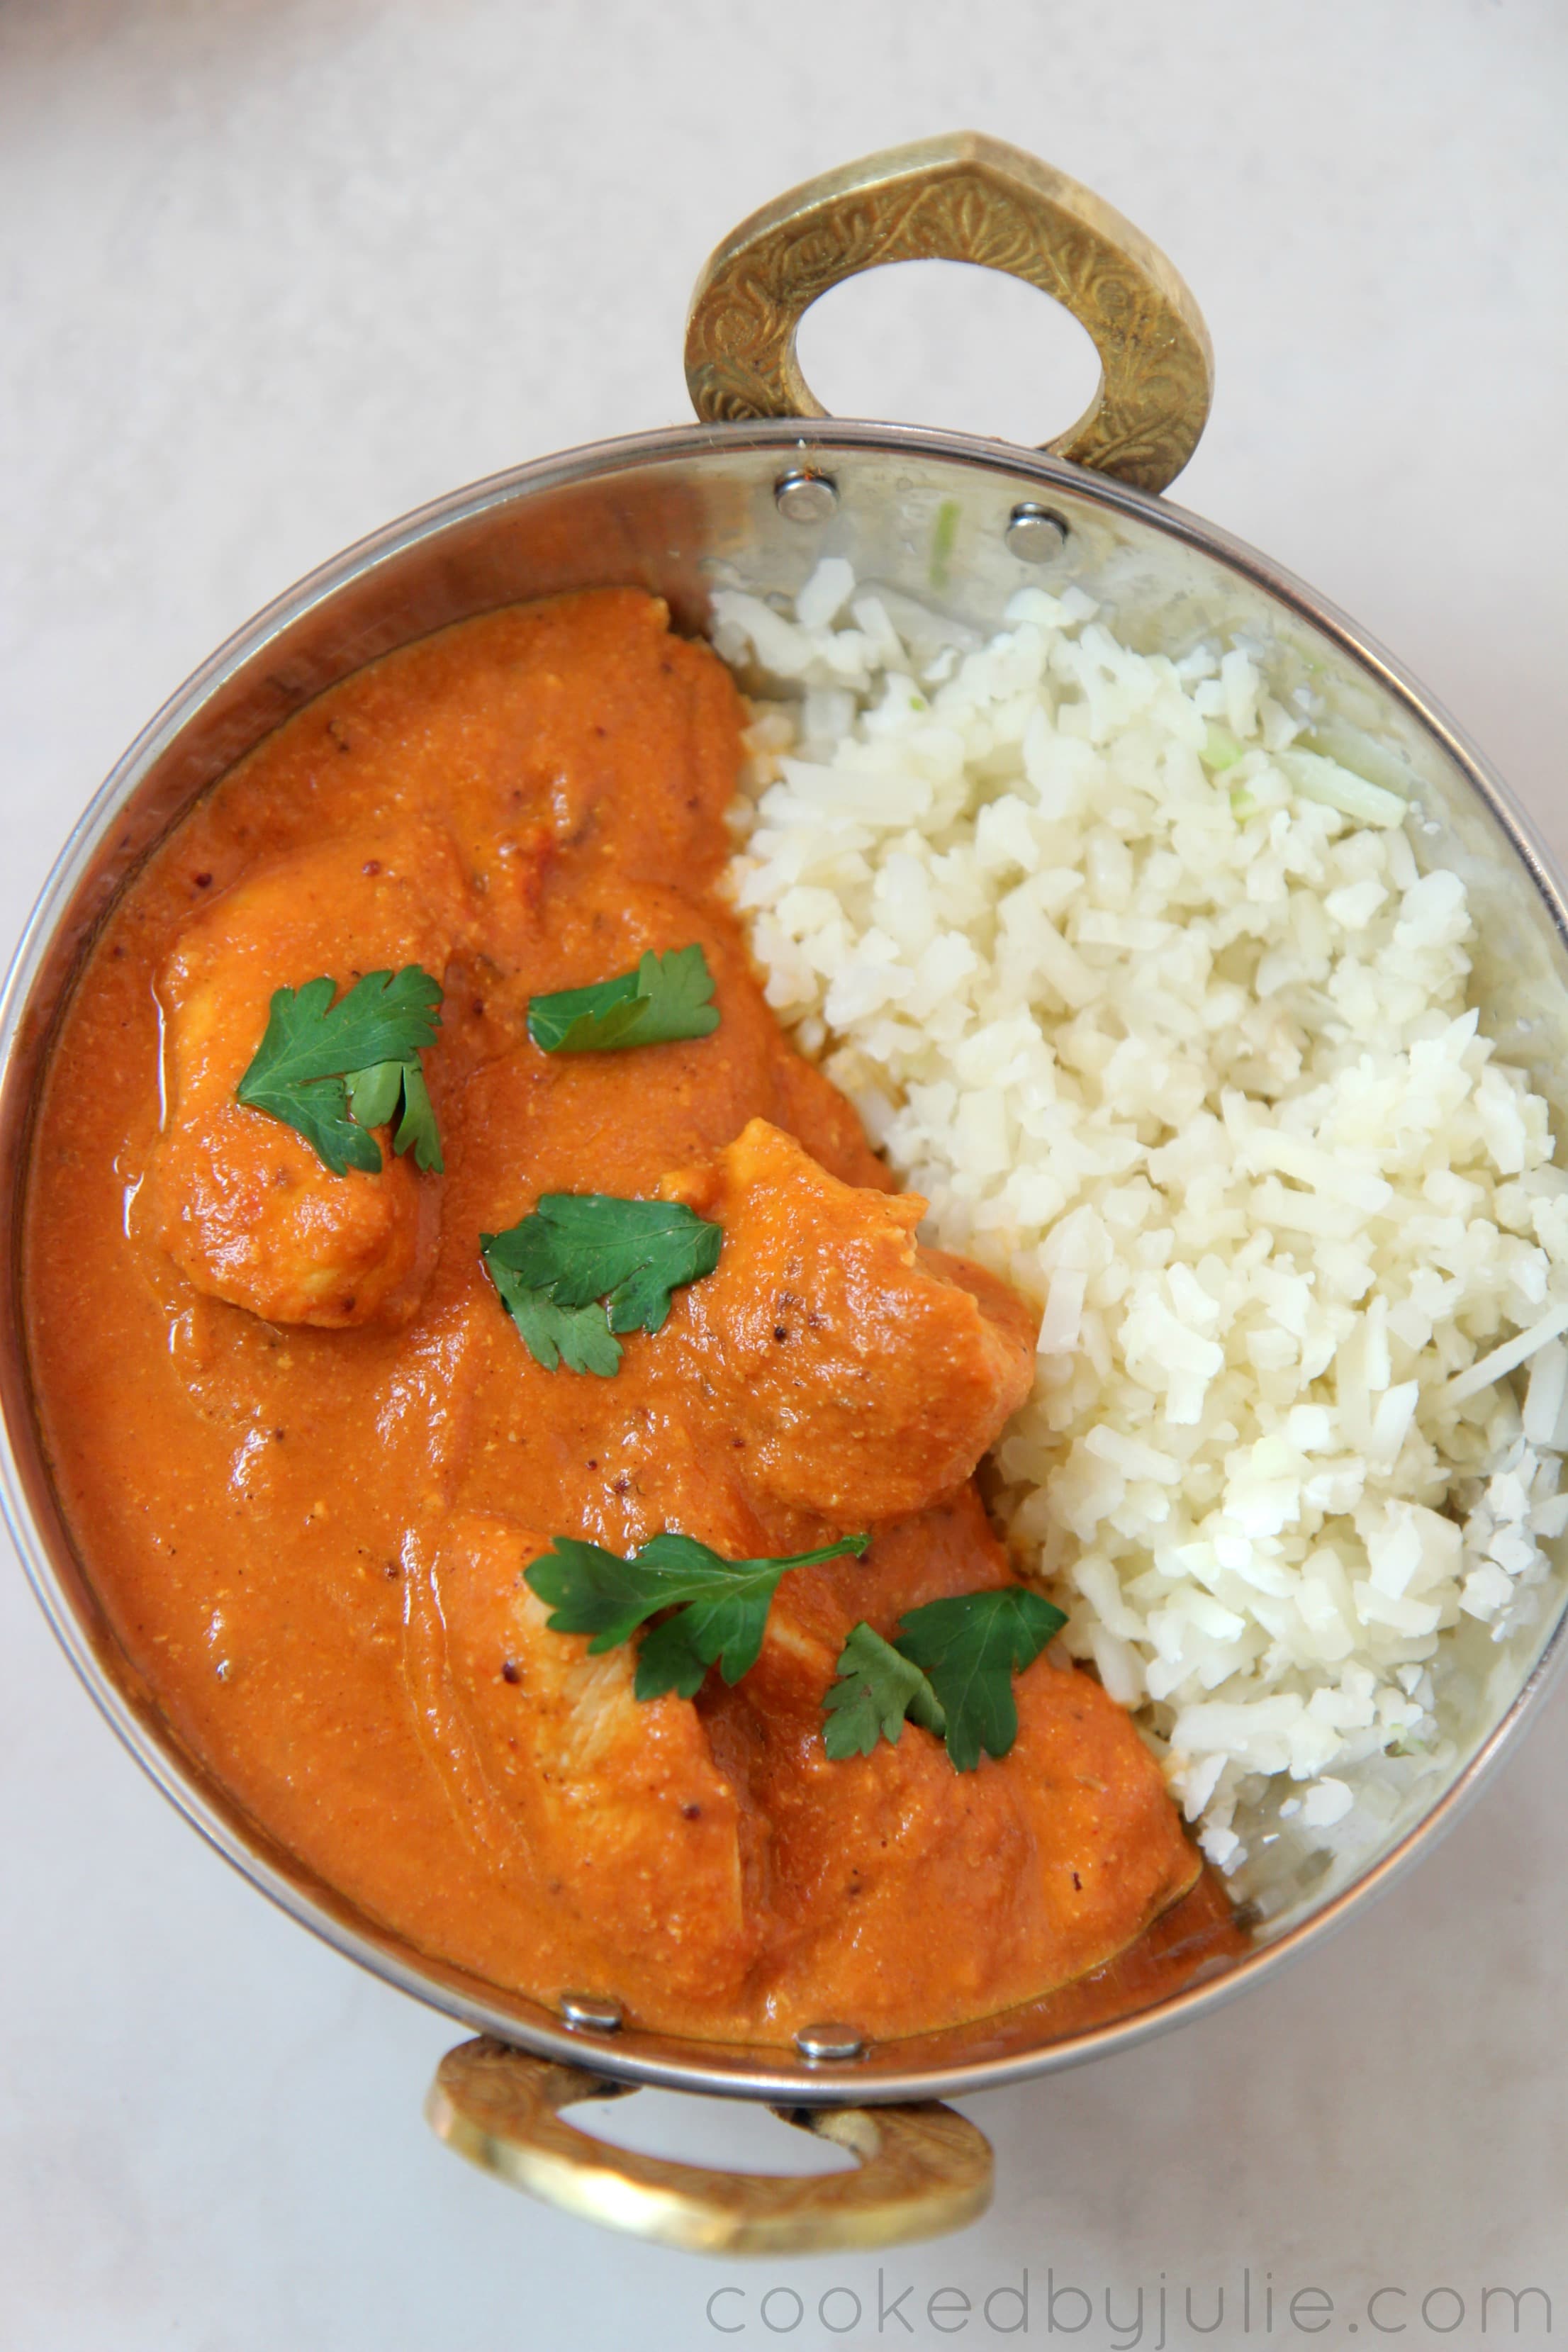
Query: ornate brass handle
[[961, 198], [922, 2170]]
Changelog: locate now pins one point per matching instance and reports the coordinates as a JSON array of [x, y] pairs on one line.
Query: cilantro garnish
[[721, 1605], [951, 1668], [878, 1687], [318, 1061], [667, 998], [580, 1248]]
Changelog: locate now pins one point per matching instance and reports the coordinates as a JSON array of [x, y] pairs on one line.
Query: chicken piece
[[897, 1884], [627, 1818], [878, 1862], [860, 1376], [243, 1204], [598, 724]]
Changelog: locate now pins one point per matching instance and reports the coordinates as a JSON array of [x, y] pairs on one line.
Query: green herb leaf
[[950, 1669], [577, 1337], [666, 998], [969, 1648], [577, 1247], [944, 531], [722, 1604], [320, 1112], [878, 1687], [670, 1660], [416, 1130], [374, 1094], [385, 1017], [317, 1061]]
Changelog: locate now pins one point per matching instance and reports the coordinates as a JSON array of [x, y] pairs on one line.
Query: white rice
[[1148, 997]]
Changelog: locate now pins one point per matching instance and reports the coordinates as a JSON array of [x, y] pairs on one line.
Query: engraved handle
[[962, 198], [922, 2169]]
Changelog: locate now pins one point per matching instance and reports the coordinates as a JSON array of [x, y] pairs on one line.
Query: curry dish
[[306, 1457]]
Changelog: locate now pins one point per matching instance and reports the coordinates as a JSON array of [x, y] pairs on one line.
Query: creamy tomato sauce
[[306, 1457]]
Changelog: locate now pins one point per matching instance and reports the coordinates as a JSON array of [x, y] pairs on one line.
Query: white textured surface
[[271, 270]]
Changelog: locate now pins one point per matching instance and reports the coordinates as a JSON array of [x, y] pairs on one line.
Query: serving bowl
[[753, 497]]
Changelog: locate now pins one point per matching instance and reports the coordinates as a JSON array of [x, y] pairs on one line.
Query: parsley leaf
[[577, 1337], [374, 1096], [417, 1130], [721, 1605], [969, 1648], [577, 1247], [950, 1669], [878, 1687], [667, 998], [318, 1061]]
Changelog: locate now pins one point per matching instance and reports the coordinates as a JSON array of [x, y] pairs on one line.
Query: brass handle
[[964, 197], [922, 2169]]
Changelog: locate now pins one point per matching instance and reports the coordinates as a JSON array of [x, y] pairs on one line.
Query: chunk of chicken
[[862, 1376], [244, 1205], [876, 1863], [627, 1818]]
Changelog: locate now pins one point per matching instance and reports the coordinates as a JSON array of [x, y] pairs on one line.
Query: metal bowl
[[960, 523]]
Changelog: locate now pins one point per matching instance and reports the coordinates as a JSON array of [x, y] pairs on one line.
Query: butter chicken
[[311, 1459]]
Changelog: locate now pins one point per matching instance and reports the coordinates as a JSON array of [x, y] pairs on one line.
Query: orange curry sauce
[[307, 1456]]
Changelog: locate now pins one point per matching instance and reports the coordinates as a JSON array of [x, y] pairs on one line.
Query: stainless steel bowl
[[949, 519]]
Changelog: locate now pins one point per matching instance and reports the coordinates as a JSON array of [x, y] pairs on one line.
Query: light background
[[273, 270]]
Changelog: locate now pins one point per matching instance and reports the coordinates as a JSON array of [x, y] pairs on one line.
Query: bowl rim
[[634, 2056]]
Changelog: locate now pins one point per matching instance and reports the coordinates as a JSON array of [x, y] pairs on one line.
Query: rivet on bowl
[[591, 2012], [805, 498], [831, 2041], [1035, 534]]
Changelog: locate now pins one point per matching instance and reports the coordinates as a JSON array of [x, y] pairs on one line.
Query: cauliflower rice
[[1147, 996]]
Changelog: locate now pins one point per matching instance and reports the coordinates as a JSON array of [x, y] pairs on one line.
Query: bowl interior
[[681, 513]]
